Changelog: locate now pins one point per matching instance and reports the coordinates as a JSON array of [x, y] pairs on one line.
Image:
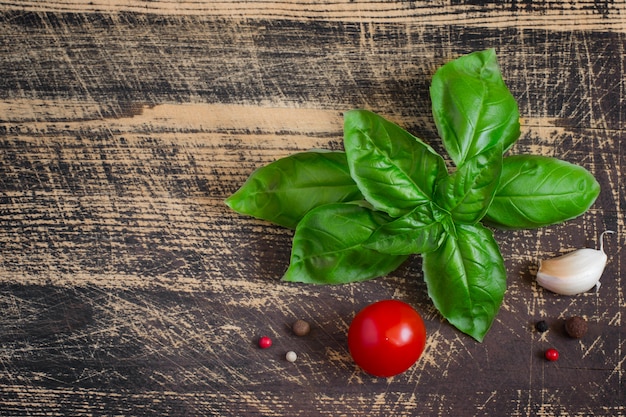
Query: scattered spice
[[541, 326], [291, 356], [301, 328], [576, 327], [552, 354], [265, 342]]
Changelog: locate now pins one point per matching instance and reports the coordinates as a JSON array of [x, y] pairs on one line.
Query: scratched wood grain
[[127, 287]]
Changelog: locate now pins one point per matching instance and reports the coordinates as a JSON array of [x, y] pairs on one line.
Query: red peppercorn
[[552, 354], [265, 342]]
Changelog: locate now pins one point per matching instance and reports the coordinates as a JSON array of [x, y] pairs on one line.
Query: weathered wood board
[[127, 287]]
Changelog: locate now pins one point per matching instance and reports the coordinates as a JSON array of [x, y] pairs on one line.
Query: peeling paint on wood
[[127, 287], [552, 14]]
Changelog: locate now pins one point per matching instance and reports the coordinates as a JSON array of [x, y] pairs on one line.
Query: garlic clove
[[575, 272]]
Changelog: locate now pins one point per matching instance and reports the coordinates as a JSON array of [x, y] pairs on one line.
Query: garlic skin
[[575, 272]]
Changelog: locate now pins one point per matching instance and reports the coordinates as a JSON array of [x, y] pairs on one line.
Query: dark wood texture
[[128, 288]]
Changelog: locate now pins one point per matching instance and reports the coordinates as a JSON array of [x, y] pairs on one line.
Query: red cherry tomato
[[386, 338]]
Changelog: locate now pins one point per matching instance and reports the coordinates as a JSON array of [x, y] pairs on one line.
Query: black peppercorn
[[541, 326], [576, 327], [301, 328]]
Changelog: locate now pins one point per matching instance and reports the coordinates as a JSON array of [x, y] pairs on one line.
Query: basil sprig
[[359, 214]]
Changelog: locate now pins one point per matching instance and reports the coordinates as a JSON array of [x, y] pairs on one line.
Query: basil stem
[[467, 193]]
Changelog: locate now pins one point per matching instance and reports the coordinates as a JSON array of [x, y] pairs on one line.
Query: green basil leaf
[[394, 170], [466, 279], [472, 107], [537, 191], [285, 190], [467, 193], [416, 232], [328, 246]]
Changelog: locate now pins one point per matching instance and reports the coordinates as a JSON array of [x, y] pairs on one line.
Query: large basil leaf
[[416, 232], [328, 246], [472, 107], [537, 191], [394, 170], [466, 279], [285, 190], [467, 193]]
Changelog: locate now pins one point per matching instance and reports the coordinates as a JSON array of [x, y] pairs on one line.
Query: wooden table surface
[[127, 286]]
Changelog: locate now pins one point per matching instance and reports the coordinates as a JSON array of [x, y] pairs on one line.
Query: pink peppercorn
[[265, 342], [552, 355]]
